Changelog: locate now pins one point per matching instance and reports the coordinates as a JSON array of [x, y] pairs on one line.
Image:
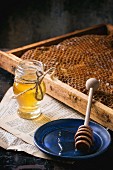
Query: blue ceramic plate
[[56, 138]]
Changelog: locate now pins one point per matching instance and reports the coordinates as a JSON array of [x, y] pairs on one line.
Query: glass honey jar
[[29, 88]]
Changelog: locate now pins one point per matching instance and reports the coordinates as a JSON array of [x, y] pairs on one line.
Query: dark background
[[24, 22]]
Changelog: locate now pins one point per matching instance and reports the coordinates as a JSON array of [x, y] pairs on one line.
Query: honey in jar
[[28, 88]]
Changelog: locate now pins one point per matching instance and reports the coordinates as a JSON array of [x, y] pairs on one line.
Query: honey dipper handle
[[88, 109], [91, 84]]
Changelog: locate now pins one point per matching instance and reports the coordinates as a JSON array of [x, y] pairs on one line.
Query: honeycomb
[[81, 58]]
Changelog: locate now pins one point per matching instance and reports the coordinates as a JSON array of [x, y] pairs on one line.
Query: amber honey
[[29, 94]]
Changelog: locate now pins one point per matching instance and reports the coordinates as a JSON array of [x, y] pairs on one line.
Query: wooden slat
[[8, 62]]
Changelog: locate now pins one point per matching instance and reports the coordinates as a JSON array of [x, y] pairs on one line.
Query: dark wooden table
[[13, 160]]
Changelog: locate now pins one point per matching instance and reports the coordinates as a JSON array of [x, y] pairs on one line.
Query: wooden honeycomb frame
[[61, 91]]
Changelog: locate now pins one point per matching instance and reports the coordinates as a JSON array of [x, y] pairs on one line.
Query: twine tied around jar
[[40, 76]]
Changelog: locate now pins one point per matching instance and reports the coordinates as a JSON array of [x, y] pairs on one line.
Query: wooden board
[[59, 90]]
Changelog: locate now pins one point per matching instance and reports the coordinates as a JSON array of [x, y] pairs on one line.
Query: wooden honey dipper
[[84, 134]]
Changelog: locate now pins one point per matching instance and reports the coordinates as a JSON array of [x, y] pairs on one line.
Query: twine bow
[[37, 84]]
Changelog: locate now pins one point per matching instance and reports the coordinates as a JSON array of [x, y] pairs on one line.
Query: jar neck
[[29, 71]]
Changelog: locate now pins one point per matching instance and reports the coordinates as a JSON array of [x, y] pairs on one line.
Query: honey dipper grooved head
[[83, 138]]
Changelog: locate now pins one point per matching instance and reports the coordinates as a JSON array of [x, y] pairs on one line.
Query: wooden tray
[[61, 91]]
